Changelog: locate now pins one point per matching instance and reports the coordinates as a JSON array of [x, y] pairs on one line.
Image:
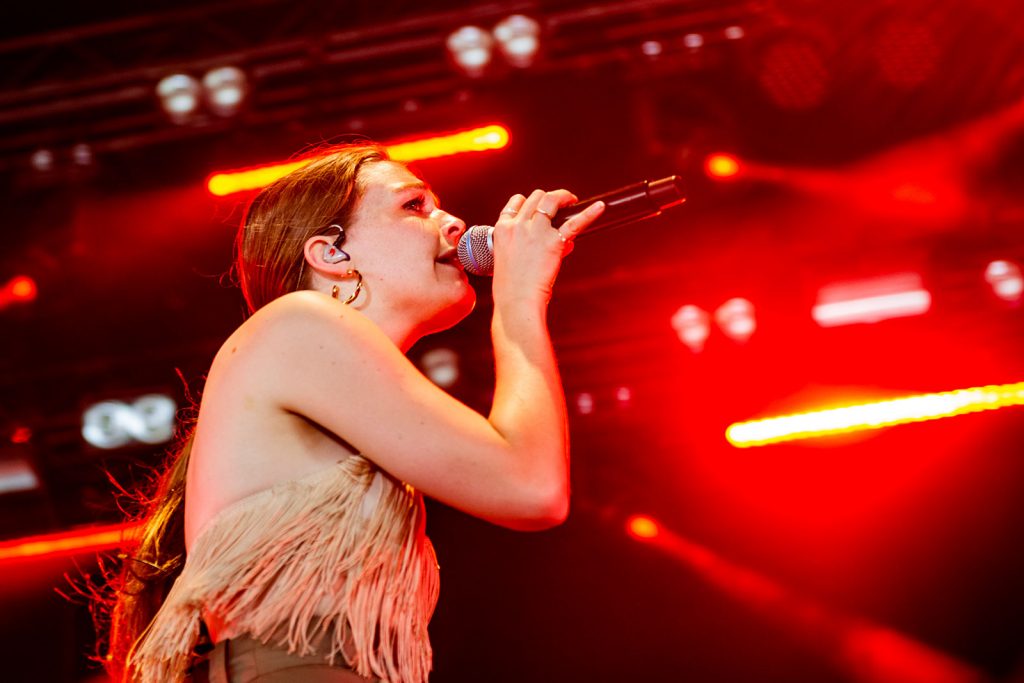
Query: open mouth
[[450, 258]]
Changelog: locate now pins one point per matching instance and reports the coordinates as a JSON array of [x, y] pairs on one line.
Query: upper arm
[[334, 366]]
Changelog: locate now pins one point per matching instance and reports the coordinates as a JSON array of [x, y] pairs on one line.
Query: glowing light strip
[[474, 140], [89, 539], [873, 308], [876, 415]]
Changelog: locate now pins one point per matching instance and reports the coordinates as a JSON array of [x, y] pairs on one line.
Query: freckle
[[233, 349]]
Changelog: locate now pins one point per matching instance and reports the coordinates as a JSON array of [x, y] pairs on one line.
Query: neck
[[397, 328]]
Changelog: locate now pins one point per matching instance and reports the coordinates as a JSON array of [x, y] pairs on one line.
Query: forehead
[[388, 178]]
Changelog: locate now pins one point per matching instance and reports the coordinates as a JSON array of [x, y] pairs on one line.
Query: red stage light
[[642, 527], [721, 166], [77, 541], [474, 140], [21, 434]]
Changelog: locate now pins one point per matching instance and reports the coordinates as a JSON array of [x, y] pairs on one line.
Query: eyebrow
[[418, 185]]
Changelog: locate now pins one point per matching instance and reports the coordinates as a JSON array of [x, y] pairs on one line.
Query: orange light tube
[[875, 415], [474, 140], [86, 540]]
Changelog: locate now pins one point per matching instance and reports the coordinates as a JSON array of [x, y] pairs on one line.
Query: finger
[[529, 207], [578, 223], [513, 206], [553, 201]]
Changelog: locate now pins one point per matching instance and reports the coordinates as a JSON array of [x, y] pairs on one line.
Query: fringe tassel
[[300, 559]]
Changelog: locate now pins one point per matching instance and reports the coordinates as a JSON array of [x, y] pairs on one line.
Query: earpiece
[[334, 253]]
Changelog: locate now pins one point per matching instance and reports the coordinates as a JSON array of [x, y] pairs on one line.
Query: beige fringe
[[305, 558]]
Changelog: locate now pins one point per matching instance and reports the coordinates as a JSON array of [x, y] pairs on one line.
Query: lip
[[450, 258]]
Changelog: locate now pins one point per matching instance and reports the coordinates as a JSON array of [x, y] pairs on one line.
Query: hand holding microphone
[[622, 206]]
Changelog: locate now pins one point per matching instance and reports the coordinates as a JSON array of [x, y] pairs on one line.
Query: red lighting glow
[[76, 541], [721, 166], [19, 289], [474, 140], [864, 416], [642, 527]]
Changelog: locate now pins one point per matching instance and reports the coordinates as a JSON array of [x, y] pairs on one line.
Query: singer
[[285, 539]]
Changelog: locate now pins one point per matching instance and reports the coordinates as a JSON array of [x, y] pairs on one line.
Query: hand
[[528, 251]]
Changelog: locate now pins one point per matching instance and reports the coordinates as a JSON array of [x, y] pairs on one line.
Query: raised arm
[[334, 366]]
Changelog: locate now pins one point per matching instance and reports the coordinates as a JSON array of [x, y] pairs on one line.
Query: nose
[[452, 227]]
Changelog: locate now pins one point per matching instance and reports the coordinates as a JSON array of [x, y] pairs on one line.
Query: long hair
[[269, 263]]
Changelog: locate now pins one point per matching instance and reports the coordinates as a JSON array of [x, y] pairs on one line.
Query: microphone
[[622, 206]]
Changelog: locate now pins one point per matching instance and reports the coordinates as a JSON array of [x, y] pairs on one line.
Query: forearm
[[529, 403]]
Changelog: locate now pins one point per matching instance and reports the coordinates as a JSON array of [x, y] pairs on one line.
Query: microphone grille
[[476, 250]]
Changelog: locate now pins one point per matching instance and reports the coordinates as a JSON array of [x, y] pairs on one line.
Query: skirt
[[247, 660]]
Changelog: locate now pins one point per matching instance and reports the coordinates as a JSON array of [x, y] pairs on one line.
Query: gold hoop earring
[[359, 287]]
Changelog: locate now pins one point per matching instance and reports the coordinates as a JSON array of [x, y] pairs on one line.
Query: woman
[[298, 496]]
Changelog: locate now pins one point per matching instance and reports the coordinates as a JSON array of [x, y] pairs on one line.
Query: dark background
[[883, 137]]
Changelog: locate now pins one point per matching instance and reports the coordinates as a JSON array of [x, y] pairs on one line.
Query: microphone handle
[[628, 204]]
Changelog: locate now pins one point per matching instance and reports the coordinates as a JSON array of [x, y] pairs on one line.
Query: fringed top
[[341, 553]]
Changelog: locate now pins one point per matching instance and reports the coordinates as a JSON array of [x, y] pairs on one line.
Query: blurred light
[[81, 154], [88, 540], [734, 32], [722, 166], [793, 73], [906, 52], [1005, 279], [584, 403], [642, 527], [652, 48], [441, 366], [518, 39], [736, 318], [475, 140], [16, 475], [860, 417], [113, 424], [179, 95], [42, 160], [870, 301], [693, 40], [23, 288], [693, 326], [624, 396], [225, 89], [21, 434], [470, 49]]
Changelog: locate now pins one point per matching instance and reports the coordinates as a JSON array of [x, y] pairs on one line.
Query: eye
[[416, 204]]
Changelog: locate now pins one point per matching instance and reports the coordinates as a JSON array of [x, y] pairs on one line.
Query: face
[[405, 247]]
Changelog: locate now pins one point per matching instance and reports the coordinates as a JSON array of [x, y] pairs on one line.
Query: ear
[[324, 257]]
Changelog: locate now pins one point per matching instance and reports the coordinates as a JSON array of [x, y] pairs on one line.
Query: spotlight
[[441, 366], [642, 527], [113, 424], [18, 290], [17, 474], [518, 39], [693, 326], [470, 48], [693, 41], [42, 160], [81, 154], [721, 166], [734, 32], [869, 301], [1005, 279], [224, 90], [736, 318], [652, 48], [179, 95], [584, 403]]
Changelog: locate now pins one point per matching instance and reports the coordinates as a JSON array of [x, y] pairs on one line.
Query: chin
[[455, 312]]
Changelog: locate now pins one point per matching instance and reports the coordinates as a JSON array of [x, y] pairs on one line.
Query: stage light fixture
[[734, 32], [470, 48], [736, 318], [113, 424], [518, 39], [18, 290], [17, 475], [871, 301], [722, 166], [441, 366], [693, 41], [42, 160], [224, 90], [179, 96], [481, 139], [1004, 277], [642, 527], [81, 154], [693, 326], [624, 397], [585, 403], [864, 416]]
